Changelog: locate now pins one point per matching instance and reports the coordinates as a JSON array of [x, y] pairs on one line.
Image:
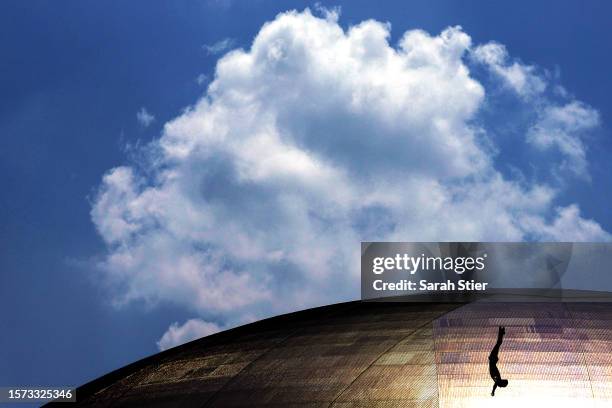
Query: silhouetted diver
[[495, 375]]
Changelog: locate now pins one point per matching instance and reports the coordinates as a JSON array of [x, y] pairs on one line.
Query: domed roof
[[362, 354]]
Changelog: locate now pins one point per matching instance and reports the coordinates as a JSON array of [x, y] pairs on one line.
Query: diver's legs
[[500, 338]]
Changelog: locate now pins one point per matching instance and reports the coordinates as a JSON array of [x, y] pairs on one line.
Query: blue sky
[[76, 75]]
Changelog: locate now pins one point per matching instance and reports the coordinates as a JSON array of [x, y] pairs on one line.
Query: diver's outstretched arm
[[494, 387]]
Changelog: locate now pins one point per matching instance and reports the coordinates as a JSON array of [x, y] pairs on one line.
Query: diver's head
[[502, 383]]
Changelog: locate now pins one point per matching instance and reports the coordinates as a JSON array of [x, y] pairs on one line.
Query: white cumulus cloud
[[190, 330], [563, 127], [219, 47], [201, 79], [256, 198], [521, 78], [144, 117], [559, 124]]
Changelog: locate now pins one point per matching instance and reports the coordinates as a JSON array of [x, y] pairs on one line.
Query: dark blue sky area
[[74, 74]]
